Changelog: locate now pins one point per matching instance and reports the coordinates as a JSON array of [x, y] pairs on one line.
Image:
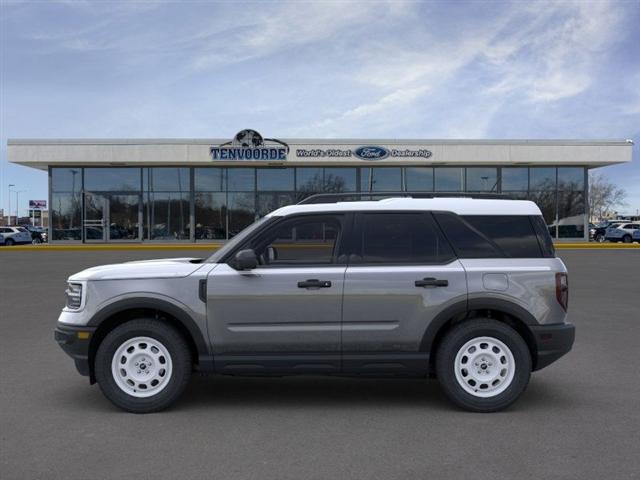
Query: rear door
[[402, 273], [285, 314]]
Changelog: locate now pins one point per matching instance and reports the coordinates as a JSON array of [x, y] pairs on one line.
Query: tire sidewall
[[172, 341], [461, 334]]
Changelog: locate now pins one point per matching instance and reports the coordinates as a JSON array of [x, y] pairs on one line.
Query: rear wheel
[[483, 365], [9, 242], [626, 239], [143, 365]]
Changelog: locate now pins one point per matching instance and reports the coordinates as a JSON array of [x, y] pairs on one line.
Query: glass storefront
[[215, 203]]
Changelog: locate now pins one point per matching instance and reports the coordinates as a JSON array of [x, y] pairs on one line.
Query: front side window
[[308, 240], [400, 238]]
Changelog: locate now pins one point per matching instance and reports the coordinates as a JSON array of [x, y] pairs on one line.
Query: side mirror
[[272, 254], [245, 260]]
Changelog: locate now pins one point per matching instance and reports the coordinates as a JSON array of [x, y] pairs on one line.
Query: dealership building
[[203, 190]]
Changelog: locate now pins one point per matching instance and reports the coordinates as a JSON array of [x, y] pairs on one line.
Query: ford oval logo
[[371, 153]]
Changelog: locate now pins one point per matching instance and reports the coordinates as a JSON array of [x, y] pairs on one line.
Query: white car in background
[[622, 233], [15, 235]]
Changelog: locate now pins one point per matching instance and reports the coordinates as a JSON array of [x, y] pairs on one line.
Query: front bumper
[[75, 342], [552, 342]]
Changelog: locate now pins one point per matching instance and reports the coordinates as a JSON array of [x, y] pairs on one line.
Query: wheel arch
[[502, 310], [124, 310]]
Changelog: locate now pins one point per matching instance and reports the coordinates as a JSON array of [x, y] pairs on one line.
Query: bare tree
[[604, 196]]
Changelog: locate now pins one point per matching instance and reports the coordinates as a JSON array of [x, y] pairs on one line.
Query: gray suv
[[466, 290]]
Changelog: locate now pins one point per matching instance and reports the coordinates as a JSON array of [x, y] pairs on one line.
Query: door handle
[[431, 282], [314, 283]]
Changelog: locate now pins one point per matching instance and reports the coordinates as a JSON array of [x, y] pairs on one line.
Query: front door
[[96, 210], [401, 275], [285, 314], [111, 217]]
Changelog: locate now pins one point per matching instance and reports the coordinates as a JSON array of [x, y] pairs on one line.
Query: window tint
[[544, 239], [304, 241], [513, 234], [401, 238], [466, 240]]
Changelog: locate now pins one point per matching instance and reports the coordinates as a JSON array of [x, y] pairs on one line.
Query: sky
[[373, 69]]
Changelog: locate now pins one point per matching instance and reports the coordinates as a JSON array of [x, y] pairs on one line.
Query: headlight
[[74, 295]]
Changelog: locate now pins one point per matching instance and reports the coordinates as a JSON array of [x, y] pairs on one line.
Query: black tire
[[626, 239], [599, 238], [9, 242], [456, 338], [36, 241], [170, 338]]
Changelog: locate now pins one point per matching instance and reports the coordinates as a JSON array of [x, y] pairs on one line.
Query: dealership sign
[[250, 145], [38, 204], [366, 152]]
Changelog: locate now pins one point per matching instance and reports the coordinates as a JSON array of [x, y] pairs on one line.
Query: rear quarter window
[[496, 236], [513, 234]]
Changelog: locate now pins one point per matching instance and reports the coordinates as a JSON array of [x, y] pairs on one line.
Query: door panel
[[384, 310], [264, 312]]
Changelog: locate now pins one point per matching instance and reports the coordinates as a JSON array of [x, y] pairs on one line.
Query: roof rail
[[359, 196]]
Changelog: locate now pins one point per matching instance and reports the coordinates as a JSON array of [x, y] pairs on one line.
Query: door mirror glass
[[245, 260]]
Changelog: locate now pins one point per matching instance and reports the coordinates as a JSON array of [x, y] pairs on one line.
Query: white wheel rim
[[141, 367], [484, 367]]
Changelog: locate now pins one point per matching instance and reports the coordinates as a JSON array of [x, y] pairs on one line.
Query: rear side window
[[496, 236], [466, 240], [400, 238], [544, 239], [513, 234]]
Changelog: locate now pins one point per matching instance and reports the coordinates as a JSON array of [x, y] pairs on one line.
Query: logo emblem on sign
[[250, 145], [371, 152]]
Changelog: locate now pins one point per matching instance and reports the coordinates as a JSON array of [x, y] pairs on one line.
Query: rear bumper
[[552, 342], [75, 342]]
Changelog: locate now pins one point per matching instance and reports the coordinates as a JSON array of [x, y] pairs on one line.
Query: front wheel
[[483, 365], [9, 242], [599, 238], [626, 239], [143, 365]]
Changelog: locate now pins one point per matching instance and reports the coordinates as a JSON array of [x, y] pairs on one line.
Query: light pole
[[9, 213], [18, 192]]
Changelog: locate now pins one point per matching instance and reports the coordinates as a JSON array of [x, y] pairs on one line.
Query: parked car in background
[[599, 232], [15, 235], [38, 234], [622, 232]]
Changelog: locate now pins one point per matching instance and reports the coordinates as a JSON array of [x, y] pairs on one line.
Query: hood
[[162, 268]]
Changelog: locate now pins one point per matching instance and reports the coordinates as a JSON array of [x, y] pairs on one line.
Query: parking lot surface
[[579, 417]]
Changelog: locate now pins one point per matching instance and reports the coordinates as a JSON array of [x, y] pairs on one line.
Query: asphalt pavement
[[579, 418]]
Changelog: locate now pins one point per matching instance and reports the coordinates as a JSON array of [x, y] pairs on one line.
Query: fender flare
[[462, 308], [175, 311]]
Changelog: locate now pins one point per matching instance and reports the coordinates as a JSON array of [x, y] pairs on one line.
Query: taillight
[[562, 290]]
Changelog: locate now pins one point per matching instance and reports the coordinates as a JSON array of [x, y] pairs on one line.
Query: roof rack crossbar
[[358, 196]]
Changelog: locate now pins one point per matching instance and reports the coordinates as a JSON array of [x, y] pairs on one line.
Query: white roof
[[461, 206]]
